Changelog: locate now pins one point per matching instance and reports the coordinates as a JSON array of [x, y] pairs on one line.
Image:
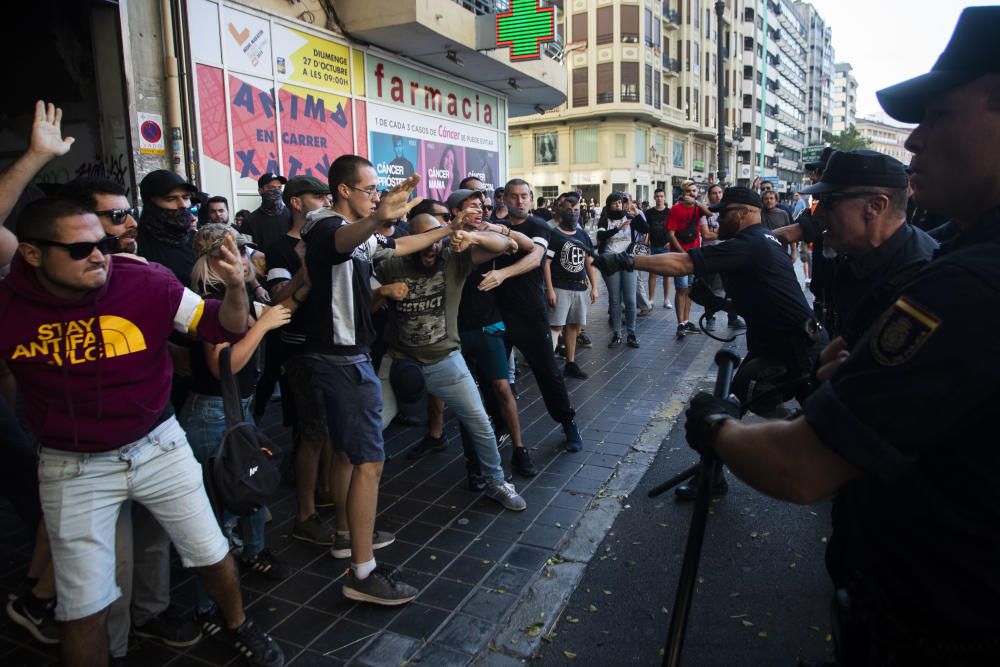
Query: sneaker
[[513, 390], [710, 323], [573, 370], [644, 312], [574, 442], [668, 305], [379, 587], [615, 341], [681, 331], [256, 646], [324, 499], [170, 630], [691, 328], [477, 482], [583, 340], [426, 446], [737, 323], [264, 563], [313, 530], [36, 616], [520, 462], [342, 543], [632, 341], [211, 621], [506, 495]]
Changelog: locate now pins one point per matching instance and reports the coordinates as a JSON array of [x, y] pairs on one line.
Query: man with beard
[[217, 209], [271, 221], [165, 232], [110, 204], [423, 327]]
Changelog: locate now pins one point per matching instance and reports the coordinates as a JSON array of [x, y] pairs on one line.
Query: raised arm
[[394, 205], [229, 266]]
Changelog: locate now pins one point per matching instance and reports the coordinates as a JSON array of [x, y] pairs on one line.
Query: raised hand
[[46, 131], [228, 264], [395, 291], [396, 203], [460, 241], [274, 317]]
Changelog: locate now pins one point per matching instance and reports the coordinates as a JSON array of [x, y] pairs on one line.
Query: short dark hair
[[464, 183], [516, 181], [717, 185], [541, 202], [659, 190], [426, 206], [570, 196], [83, 189], [344, 171], [39, 219], [218, 199], [244, 212]]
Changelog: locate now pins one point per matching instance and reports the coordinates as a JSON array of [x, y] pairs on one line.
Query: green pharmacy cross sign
[[524, 28]]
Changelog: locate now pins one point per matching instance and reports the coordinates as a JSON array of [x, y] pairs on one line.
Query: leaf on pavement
[[569, 655], [592, 609], [746, 623]]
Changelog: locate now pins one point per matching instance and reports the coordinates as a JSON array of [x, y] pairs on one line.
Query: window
[[605, 83], [629, 24], [619, 145], [516, 156], [550, 192], [659, 143], [656, 89], [585, 145], [641, 146], [666, 94], [647, 22], [546, 148], [695, 58], [605, 25], [580, 28], [619, 187], [678, 153], [630, 82], [581, 87], [648, 85]]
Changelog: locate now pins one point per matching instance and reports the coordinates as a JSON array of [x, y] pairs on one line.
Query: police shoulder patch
[[901, 332]]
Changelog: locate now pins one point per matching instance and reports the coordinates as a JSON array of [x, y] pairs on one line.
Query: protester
[[271, 220]]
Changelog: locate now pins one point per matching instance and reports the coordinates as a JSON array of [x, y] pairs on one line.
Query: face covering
[[616, 215], [271, 201], [167, 225], [568, 221]]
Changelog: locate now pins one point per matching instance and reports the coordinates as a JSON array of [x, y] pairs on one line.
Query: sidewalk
[[480, 569]]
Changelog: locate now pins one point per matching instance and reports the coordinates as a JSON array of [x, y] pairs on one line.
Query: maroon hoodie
[[95, 373]]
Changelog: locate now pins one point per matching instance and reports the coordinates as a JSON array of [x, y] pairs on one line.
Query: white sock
[[362, 570], [344, 533]]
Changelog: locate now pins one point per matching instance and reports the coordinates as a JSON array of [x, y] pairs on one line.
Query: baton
[[727, 361]]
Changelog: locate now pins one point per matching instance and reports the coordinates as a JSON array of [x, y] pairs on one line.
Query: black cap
[[847, 169], [973, 51], [820, 164], [738, 195], [300, 185], [161, 183], [270, 176]]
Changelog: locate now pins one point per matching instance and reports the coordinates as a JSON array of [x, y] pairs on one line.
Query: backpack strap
[[232, 407]]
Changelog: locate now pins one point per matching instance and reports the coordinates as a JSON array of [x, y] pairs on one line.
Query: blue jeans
[[204, 421], [621, 286], [451, 381]]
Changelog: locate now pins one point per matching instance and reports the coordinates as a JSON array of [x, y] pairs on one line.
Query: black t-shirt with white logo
[[568, 260]]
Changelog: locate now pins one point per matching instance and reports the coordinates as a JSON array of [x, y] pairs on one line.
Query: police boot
[[689, 489]]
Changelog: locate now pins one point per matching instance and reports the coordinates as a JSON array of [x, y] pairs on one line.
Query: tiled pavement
[[471, 560]]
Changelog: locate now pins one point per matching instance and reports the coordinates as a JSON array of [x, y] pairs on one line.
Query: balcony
[[673, 18], [671, 66], [454, 36]]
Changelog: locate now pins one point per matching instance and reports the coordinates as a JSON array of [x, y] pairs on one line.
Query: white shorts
[[571, 307]]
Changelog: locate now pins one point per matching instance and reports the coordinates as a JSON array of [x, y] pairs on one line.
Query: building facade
[[819, 109], [641, 111], [845, 97], [886, 137]]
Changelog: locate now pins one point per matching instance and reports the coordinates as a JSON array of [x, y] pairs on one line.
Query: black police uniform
[[760, 281], [913, 409]]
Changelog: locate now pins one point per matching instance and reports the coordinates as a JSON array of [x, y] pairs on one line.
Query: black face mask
[[270, 201], [616, 215], [166, 225], [568, 221]]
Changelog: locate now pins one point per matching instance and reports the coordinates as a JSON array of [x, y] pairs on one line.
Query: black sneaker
[[737, 323], [632, 341], [710, 323], [520, 462], [681, 331], [573, 370], [583, 340], [615, 341], [691, 328], [574, 442], [265, 564], [314, 531], [256, 646], [211, 621], [513, 390], [379, 587], [477, 482], [342, 544], [36, 616], [170, 630], [426, 446]]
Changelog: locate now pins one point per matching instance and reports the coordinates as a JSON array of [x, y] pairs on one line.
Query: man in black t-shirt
[[659, 241], [519, 279], [568, 271], [272, 219]]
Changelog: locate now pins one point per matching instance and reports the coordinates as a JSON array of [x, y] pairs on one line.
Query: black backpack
[[244, 471], [690, 232]]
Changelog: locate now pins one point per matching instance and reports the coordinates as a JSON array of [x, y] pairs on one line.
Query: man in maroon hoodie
[[85, 335]]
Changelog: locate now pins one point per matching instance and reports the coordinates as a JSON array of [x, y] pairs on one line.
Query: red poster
[[212, 113], [316, 129]]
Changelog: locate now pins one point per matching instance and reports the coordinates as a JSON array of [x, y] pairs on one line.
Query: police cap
[[973, 51], [848, 169], [738, 195]]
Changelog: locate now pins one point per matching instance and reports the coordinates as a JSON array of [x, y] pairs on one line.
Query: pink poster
[[212, 113], [442, 168], [315, 130]]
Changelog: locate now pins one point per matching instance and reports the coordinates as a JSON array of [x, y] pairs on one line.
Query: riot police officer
[[903, 430]]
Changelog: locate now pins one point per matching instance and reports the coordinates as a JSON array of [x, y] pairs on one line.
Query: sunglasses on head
[[83, 249], [118, 215]]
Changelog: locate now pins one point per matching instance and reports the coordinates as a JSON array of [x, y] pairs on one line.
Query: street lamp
[[720, 8]]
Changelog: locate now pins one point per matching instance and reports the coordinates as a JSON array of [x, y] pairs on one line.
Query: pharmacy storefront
[[272, 95]]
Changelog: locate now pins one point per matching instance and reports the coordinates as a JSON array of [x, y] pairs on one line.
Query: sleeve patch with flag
[[901, 332]]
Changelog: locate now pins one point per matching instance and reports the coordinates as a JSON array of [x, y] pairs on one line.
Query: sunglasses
[[118, 215], [83, 249]]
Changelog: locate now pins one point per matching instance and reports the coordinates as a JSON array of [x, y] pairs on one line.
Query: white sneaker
[[507, 495], [668, 305]]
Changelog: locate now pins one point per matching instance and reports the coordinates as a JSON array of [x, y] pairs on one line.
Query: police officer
[[862, 199], [760, 282], [903, 430]]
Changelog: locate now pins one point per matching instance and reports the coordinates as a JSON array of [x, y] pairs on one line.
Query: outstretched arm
[[394, 205], [666, 264]]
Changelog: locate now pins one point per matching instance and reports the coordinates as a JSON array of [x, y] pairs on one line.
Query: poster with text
[[444, 165], [484, 165], [303, 58], [246, 42], [254, 123], [395, 158], [316, 129]]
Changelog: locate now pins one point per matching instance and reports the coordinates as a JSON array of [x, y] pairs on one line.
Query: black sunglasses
[[83, 249], [118, 215], [831, 198]]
